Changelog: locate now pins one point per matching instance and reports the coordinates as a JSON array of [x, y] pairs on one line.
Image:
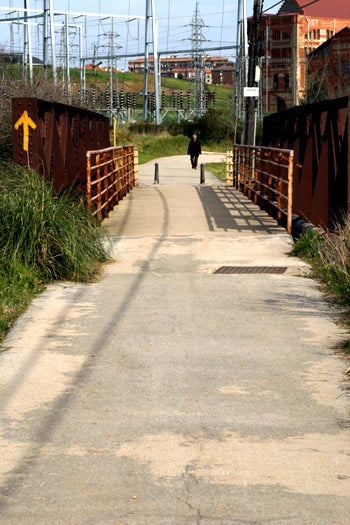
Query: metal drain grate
[[251, 269]]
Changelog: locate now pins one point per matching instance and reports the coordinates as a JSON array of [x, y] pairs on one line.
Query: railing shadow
[[226, 209]]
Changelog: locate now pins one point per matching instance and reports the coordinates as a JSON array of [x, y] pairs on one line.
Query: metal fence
[[319, 134], [265, 176], [111, 174]]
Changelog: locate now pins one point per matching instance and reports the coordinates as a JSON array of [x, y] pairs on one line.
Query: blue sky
[[174, 24]]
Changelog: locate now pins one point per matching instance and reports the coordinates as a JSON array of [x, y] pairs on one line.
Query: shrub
[[52, 235], [43, 237], [329, 257], [214, 126], [307, 246], [335, 260]]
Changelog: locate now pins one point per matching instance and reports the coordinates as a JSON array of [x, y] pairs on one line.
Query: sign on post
[[251, 92]]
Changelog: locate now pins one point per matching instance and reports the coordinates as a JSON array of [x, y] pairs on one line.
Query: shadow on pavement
[[225, 209]]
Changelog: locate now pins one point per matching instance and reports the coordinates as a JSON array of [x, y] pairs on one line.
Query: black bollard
[[202, 174], [156, 173]]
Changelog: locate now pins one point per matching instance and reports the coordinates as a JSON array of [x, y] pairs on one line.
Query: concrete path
[[168, 394]]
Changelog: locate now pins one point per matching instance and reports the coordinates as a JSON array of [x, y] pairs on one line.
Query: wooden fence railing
[[265, 176], [111, 174]]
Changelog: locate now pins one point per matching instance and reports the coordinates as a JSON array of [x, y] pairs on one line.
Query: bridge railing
[[265, 176], [319, 135], [111, 174]]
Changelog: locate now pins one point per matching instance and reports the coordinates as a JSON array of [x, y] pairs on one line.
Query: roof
[[289, 6], [319, 9]]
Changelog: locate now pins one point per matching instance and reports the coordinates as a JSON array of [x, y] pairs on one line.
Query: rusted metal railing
[[265, 176], [319, 135], [111, 174]]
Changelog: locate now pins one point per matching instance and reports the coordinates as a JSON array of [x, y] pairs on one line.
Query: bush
[[53, 236], [43, 237], [335, 260], [307, 246], [329, 257], [214, 126]]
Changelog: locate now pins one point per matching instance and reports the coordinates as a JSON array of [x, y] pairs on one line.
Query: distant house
[[328, 67], [182, 67], [223, 76]]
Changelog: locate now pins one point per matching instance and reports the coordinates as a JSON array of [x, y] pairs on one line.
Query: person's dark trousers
[[194, 161]]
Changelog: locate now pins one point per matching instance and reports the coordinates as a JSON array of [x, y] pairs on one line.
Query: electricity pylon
[[197, 40]]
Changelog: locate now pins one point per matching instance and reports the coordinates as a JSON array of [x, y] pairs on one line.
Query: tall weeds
[[329, 257], [43, 237], [53, 235], [335, 260]]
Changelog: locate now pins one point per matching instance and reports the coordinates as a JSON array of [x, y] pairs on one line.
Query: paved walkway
[[168, 394]]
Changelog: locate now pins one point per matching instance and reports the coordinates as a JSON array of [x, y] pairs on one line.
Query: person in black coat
[[194, 150]]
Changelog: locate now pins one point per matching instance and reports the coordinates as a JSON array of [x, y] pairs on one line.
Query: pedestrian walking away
[[194, 150]]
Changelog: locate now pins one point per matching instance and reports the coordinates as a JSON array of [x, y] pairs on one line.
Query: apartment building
[[182, 67], [286, 39]]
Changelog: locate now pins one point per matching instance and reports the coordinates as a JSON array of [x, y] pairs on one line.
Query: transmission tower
[[197, 40]]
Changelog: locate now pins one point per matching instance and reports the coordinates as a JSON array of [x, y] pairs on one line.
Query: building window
[[285, 52], [281, 105], [275, 81], [286, 81]]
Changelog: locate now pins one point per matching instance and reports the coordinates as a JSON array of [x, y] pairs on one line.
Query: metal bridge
[[308, 180]]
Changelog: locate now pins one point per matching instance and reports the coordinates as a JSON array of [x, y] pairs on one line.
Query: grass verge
[[218, 169], [156, 146], [329, 259], [43, 238]]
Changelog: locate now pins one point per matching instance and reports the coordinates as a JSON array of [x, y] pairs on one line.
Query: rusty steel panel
[[58, 139], [319, 135]]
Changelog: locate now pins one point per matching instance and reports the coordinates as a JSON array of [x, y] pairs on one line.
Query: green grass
[[218, 168], [43, 238], [154, 147], [329, 259]]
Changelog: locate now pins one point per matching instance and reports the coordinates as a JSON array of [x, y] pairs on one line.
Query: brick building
[[285, 41], [328, 68], [182, 67], [223, 76]]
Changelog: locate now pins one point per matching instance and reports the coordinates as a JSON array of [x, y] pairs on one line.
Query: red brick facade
[[286, 40], [328, 68]]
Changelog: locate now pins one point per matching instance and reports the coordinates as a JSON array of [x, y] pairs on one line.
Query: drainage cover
[[251, 269]]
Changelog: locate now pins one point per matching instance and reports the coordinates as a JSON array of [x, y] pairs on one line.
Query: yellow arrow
[[25, 121]]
